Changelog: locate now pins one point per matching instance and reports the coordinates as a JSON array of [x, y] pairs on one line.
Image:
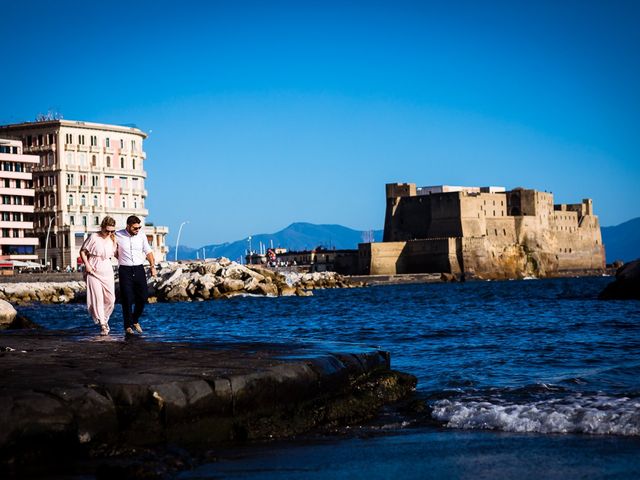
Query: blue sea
[[523, 379]]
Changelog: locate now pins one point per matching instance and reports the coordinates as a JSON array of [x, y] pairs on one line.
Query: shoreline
[[69, 400]]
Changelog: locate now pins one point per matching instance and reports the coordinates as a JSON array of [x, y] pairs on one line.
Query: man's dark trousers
[[133, 292]]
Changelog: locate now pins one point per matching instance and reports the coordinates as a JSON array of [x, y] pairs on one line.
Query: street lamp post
[[46, 243], [178, 240]]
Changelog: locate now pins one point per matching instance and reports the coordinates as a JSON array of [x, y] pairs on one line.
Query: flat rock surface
[[59, 390], [52, 359]]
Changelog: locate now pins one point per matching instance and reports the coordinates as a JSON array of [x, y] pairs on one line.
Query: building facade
[[85, 172], [17, 241], [484, 232]]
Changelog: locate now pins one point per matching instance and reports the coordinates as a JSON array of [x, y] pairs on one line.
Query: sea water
[[526, 379]]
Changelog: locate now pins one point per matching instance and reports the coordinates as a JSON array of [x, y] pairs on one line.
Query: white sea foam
[[597, 414]]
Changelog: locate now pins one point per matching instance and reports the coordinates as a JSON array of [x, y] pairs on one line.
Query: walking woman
[[96, 253]]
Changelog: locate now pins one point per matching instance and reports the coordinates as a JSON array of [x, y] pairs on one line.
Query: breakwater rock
[[7, 313], [190, 281], [626, 286], [62, 399], [44, 292], [222, 278]]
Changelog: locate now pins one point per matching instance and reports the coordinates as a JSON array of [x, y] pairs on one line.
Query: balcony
[[158, 230], [19, 241], [34, 149], [70, 147], [21, 192], [18, 208], [44, 168], [20, 225]]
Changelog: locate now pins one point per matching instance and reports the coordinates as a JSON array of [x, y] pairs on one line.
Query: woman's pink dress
[[101, 296]]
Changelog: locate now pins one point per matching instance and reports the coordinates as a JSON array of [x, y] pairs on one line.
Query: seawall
[[64, 399]]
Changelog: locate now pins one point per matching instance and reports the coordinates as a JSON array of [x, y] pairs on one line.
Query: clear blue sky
[[264, 113]]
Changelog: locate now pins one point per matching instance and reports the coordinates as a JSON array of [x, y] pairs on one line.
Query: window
[[72, 220], [121, 143], [40, 140], [108, 162], [107, 142], [6, 217], [70, 179], [17, 217], [69, 158], [83, 159], [95, 180], [135, 202], [81, 139], [94, 161], [123, 182], [110, 201], [6, 200], [96, 220], [51, 138], [124, 202], [7, 183], [121, 162], [83, 200], [5, 232], [70, 202], [68, 138], [109, 181], [95, 200], [84, 221], [83, 180], [134, 183], [94, 141], [133, 163]]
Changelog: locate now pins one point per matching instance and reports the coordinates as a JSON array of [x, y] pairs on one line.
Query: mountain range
[[297, 236], [622, 242]]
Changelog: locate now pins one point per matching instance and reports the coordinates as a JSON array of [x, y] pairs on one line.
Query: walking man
[[133, 248]]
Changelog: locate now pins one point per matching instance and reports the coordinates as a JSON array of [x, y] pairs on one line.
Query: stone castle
[[484, 232]]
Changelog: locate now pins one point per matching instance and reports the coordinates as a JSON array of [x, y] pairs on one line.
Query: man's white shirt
[[132, 249]]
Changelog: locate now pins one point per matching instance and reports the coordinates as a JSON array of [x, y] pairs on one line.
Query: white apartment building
[[85, 172], [17, 241]]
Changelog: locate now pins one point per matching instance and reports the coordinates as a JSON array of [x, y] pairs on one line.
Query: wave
[[589, 414]]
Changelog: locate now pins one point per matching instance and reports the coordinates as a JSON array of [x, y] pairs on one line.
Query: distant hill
[[622, 242], [297, 236]]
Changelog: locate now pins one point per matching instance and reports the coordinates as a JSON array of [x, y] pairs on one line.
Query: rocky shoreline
[[190, 281], [63, 400], [222, 278]]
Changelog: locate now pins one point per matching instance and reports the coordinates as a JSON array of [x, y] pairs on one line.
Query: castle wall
[[416, 256], [407, 218], [446, 220], [487, 234]]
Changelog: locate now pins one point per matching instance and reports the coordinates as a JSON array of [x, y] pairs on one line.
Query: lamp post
[[46, 243], [178, 240]]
